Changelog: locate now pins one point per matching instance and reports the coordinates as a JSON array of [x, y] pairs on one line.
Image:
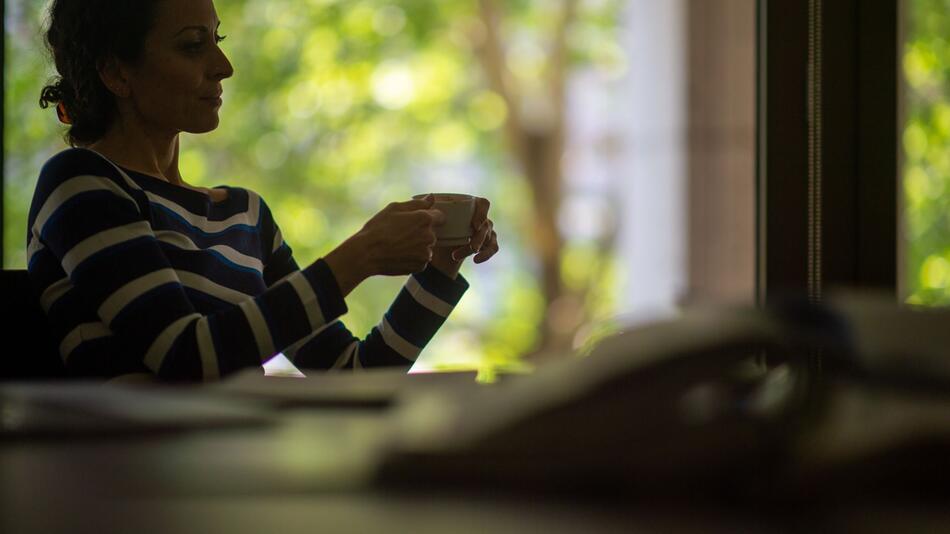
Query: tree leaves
[[926, 146]]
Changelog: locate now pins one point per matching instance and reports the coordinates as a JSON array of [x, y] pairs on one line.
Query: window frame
[[3, 122], [827, 154]]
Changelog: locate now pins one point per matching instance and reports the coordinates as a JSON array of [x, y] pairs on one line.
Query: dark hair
[[82, 34]]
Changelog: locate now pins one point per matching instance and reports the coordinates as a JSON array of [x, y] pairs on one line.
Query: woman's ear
[[114, 77]]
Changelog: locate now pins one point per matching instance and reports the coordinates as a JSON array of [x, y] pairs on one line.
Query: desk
[[309, 473], [311, 470]]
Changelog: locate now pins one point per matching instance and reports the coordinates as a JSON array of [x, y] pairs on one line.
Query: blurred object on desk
[[669, 407], [779, 405], [368, 388], [894, 344]]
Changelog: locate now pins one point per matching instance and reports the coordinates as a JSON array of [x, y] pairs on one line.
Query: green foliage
[[926, 144], [335, 109]]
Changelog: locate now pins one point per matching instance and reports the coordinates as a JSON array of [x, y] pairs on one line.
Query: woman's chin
[[203, 126]]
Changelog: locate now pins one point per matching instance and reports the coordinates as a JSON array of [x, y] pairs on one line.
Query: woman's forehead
[[175, 15]]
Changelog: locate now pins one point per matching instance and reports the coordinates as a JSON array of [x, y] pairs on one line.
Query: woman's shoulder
[[88, 166], [75, 162], [255, 201], [257, 208], [72, 172]]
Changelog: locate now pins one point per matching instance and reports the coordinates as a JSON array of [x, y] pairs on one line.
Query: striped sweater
[[140, 275]]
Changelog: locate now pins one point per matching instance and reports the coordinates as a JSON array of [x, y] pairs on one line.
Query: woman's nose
[[222, 66]]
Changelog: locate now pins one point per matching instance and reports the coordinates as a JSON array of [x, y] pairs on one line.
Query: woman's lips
[[214, 101]]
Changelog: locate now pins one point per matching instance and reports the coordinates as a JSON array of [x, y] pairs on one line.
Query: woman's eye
[[197, 46]]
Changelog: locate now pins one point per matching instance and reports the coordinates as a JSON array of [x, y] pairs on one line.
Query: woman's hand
[[398, 240], [484, 243]]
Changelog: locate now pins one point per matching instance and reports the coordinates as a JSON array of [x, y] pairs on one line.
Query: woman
[[141, 272]]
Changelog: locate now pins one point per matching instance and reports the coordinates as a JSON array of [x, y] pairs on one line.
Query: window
[[925, 145], [615, 137]]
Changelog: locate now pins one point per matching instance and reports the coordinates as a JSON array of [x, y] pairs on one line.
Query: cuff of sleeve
[[327, 289], [435, 282]]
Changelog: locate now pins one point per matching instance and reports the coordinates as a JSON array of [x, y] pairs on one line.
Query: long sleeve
[[417, 313], [92, 226]]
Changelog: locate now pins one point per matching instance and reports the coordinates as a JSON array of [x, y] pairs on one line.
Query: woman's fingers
[[402, 236], [483, 254], [482, 206], [461, 253], [423, 203], [489, 250], [431, 217], [480, 237], [478, 241]]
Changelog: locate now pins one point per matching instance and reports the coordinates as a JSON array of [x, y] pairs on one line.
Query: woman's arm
[[414, 317], [346, 265], [417, 313], [419, 310]]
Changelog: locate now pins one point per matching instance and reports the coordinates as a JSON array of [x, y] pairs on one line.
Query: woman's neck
[[145, 152]]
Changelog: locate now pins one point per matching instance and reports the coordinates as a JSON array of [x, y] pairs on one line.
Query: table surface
[[310, 468]]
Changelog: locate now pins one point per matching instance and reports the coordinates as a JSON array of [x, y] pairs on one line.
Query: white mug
[[459, 210]]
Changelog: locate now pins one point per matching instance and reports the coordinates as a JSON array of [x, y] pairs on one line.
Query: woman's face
[[177, 85]]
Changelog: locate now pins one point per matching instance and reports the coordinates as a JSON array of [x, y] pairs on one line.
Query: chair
[[29, 348]]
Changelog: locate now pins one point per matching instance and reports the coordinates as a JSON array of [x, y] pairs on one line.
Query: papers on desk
[[68, 409], [247, 398], [368, 388]]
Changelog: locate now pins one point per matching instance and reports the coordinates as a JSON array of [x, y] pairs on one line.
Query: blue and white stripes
[[137, 274]]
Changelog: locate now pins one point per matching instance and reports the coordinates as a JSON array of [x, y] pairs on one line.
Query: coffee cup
[[458, 210]]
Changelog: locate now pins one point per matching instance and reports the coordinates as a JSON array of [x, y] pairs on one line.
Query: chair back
[[29, 350]]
